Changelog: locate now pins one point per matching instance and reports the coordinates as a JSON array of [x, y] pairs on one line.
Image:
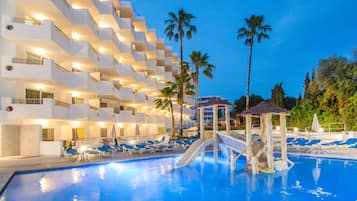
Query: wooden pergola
[[265, 111]]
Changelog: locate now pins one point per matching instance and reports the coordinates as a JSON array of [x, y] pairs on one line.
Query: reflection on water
[[158, 179]]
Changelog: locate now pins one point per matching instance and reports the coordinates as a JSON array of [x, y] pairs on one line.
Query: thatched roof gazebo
[[265, 111]]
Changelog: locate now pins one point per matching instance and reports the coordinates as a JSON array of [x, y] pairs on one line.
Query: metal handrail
[[62, 104], [27, 61], [62, 33], [27, 101], [26, 21]]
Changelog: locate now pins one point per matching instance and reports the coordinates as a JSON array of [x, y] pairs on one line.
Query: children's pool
[[156, 179]]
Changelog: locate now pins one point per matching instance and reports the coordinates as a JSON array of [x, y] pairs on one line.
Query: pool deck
[[10, 165]]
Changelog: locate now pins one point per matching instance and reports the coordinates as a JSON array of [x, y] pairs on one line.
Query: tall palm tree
[[200, 60], [178, 27], [254, 31], [183, 87], [166, 102]]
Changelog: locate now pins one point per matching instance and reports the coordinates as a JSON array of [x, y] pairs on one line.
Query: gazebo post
[[248, 119], [262, 128], [202, 130], [268, 127], [215, 129], [284, 154], [228, 119]]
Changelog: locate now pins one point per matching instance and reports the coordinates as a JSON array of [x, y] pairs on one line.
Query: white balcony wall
[[140, 77], [126, 116], [126, 94], [83, 112], [140, 97], [140, 117], [106, 114], [83, 17]]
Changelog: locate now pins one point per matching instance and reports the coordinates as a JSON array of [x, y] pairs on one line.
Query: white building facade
[[88, 69]]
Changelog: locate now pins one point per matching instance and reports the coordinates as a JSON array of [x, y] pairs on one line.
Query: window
[[36, 96], [77, 100], [48, 134], [103, 132]]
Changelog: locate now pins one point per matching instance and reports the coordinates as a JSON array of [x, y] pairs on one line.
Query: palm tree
[[200, 60], [183, 87], [178, 27], [255, 30], [166, 102]]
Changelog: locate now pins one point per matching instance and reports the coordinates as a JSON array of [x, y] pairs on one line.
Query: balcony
[[107, 88], [106, 114], [83, 112], [140, 97], [140, 77], [35, 108], [50, 36], [83, 20], [140, 117], [126, 94], [47, 71], [126, 116]]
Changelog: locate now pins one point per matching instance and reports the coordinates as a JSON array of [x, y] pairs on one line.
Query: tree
[[306, 84], [166, 102], [199, 61], [277, 95], [240, 103], [183, 87], [255, 31], [178, 27]]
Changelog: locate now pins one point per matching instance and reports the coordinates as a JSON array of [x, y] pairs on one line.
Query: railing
[[62, 104], [27, 101], [61, 68], [93, 49], [27, 61], [93, 108], [61, 33], [66, 3], [26, 21]]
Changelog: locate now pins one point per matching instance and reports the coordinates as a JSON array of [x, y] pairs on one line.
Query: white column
[[248, 119], [202, 127], [268, 127], [215, 129], [215, 118], [228, 119], [284, 154]]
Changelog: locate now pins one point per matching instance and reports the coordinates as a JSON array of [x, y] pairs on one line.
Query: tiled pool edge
[[5, 181]]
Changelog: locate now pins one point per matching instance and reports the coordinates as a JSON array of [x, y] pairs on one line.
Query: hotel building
[[86, 69]]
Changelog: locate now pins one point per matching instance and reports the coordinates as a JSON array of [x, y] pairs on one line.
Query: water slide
[[195, 149], [232, 140]]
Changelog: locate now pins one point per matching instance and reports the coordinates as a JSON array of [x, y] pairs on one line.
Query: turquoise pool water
[[155, 180]]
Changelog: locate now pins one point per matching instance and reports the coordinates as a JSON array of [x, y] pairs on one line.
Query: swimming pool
[[155, 180]]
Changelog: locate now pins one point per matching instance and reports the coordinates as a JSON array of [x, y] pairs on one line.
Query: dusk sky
[[304, 31]]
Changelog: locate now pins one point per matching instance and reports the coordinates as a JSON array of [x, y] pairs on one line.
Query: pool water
[[156, 179]]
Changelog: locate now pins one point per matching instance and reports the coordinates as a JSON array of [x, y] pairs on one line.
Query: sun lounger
[[71, 153]]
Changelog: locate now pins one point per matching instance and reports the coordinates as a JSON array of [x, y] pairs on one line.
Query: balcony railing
[[18, 60], [26, 21], [62, 104], [61, 33], [27, 101], [93, 108]]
